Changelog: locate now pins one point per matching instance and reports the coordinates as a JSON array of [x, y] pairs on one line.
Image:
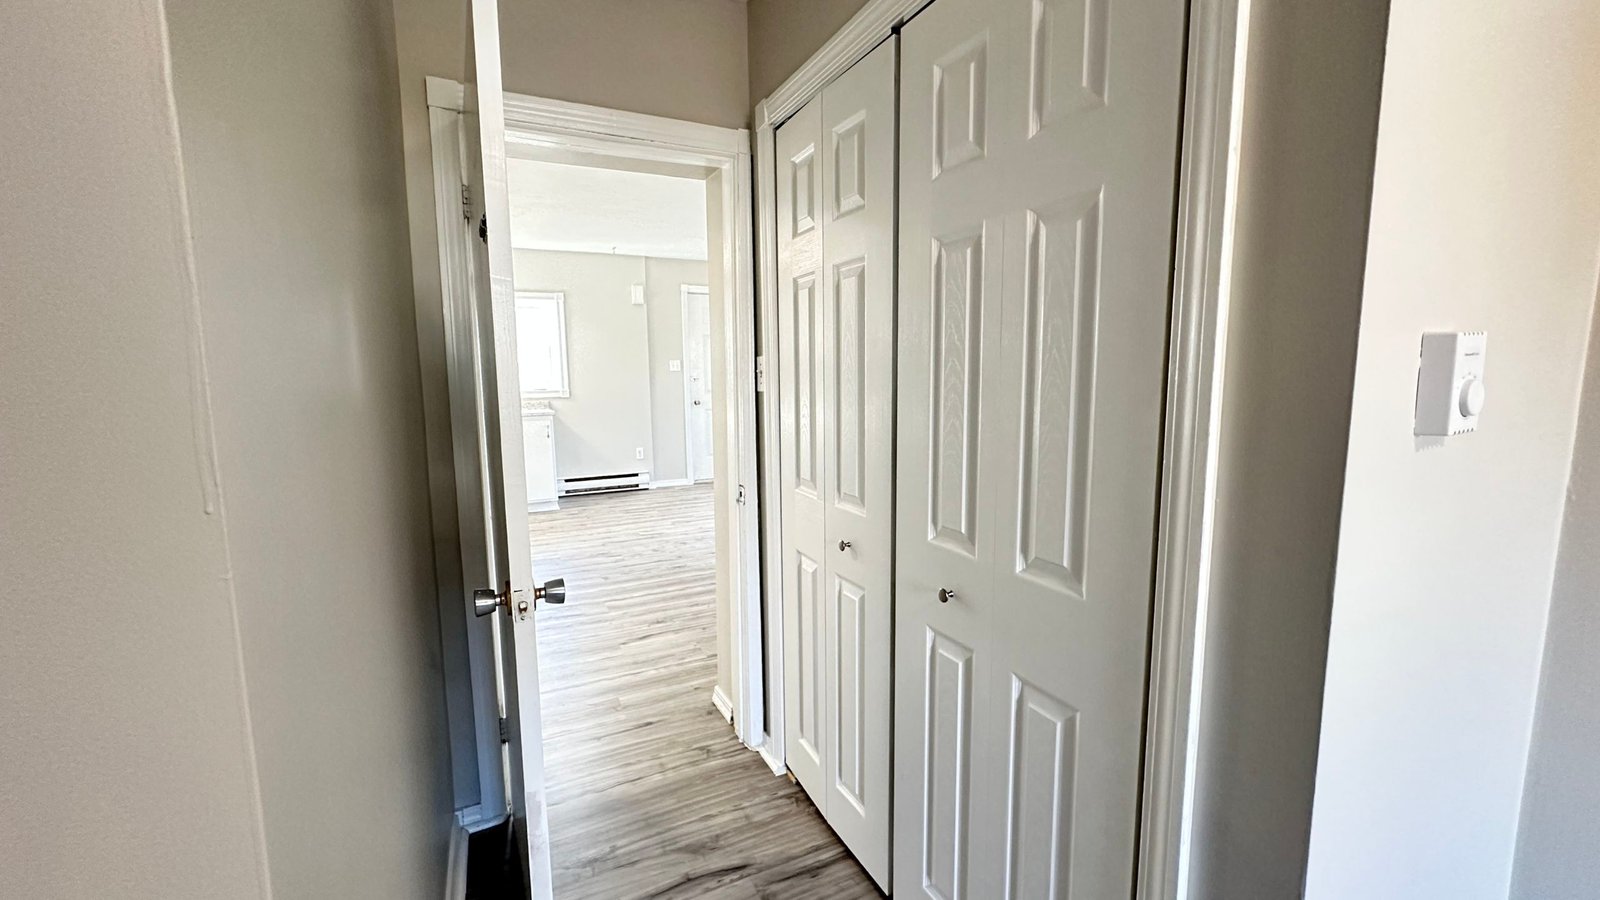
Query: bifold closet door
[[835, 208], [1037, 172]]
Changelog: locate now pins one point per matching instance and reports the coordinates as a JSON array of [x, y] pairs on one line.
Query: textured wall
[[663, 286], [1558, 841], [1485, 216], [684, 59], [291, 136], [784, 34], [1305, 176], [124, 748]]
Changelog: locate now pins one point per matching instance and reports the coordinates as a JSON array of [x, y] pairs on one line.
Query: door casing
[[720, 155]]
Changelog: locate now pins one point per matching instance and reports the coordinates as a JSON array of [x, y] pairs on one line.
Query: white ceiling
[[590, 210]]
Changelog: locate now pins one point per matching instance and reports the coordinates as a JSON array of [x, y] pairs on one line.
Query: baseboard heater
[[597, 484]]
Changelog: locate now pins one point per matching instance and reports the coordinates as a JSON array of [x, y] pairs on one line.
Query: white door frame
[[652, 140], [445, 101], [1201, 269], [685, 291]]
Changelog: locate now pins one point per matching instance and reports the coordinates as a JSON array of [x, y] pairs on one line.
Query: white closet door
[[1037, 173], [836, 207], [801, 362], [858, 250]]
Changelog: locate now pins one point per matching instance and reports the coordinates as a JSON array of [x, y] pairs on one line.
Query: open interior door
[[481, 338]]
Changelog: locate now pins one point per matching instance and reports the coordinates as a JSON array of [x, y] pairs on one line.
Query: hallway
[[650, 793]]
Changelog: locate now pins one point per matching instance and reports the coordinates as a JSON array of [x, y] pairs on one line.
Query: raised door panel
[[945, 747], [802, 364], [1041, 775], [857, 214], [809, 667], [956, 347], [1056, 321], [1090, 203], [1063, 161], [951, 237]]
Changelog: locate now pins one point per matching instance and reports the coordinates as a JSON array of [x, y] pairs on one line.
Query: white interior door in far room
[[835, 210], [697, 393], [1038, 161], [486, 425]]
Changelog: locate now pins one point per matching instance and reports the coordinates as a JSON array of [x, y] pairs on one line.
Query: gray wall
[[684, 59], [623, 394], [290, 129], [125, 750], [663, 287], [1485, 215], [784, 34], [1306, 154], [212, 472], [1558, 841]]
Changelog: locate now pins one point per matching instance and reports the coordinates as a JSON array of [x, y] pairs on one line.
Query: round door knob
[[844, 545], [485, 601], [1471, 399], [553, 591], [946, 595]]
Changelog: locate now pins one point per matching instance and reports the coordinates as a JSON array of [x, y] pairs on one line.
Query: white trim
[[544, 506], [1202, 264], [538, 116], [722, 703], [445, 94], [772, 433], [1208, 174], [536, 121], [455, 867], [774, 763], [446, 136], [865, 30], [739, 401]]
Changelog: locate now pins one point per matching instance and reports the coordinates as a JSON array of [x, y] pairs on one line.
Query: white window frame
[[560, 299]]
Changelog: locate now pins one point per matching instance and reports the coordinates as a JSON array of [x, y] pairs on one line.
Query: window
[[542, 343]]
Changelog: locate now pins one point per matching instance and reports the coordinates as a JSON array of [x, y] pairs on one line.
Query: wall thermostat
[[1450, 390]]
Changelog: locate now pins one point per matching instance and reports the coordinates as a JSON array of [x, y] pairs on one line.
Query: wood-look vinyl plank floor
[[650, 794]]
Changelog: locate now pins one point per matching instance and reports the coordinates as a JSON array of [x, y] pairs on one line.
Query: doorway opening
[[635, 338]]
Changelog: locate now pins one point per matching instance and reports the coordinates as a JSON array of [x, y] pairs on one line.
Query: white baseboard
[[772, 760], [455, 871], [670, 482], [544, 506], [721, 702]]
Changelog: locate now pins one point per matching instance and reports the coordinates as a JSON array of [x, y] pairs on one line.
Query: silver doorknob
[[485, 601], [844, 545], [553, 591], [946, 595]]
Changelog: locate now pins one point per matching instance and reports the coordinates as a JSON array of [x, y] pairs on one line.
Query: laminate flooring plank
[[650, 794]]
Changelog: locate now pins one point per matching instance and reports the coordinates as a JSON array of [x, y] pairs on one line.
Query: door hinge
[[505, 730], [739, 498], [761, 374], [466, 203]]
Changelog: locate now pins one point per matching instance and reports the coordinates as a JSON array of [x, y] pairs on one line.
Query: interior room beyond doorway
[[649, 791]]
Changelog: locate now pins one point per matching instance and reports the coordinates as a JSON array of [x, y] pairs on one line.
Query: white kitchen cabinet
[[539, 455]]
